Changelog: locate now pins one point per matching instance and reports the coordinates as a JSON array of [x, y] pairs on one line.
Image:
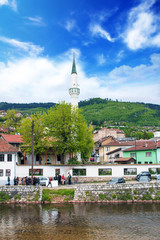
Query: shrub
[[4, 197]]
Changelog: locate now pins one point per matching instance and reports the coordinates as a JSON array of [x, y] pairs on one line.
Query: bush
[[4, 197], [73, 161]]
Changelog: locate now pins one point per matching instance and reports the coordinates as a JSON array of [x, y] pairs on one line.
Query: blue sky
[[117, 47]]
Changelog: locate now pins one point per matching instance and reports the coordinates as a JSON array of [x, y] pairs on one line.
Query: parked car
[[116, 180], [43, 181], [144, 173], [144, 179]]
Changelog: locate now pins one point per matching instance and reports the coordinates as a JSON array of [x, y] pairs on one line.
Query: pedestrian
[[59, 179], [69, 179], [8, 180], [50, 182], [63, 179], [17, 180]]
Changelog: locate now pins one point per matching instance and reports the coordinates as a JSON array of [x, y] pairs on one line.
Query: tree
[[39, 134], [68, 131], [12, 120]]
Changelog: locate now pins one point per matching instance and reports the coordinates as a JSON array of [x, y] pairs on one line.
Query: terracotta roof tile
[[6, 147], [144, 146], [12, 138]]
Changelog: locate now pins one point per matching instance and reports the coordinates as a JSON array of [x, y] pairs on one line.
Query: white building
[[8, 159]]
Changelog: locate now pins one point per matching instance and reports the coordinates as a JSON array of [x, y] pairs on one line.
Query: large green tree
[[33, 127], [68, 131], [11, 120]]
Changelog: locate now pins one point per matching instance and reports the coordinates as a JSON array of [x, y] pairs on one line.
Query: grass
[[49, 195]]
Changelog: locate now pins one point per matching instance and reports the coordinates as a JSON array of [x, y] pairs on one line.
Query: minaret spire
[[74, 65], [74, 91]]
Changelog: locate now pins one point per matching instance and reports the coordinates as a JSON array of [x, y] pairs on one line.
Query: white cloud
[[97, 30], [48, 80], [120, 55], [143, 27], [37, 21], [101, 59], [70, 25], [10, 3], [31, 49]]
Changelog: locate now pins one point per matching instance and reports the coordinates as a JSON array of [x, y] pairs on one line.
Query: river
[[80, 222]]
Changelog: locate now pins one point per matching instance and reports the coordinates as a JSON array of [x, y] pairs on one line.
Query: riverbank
[[108, 193]]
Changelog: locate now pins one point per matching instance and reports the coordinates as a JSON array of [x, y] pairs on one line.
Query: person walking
[[8, 180], [63, 180], [69, 179], [49, 182], [59, 179]]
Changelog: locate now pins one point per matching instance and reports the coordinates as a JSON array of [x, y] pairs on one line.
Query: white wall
[[8, 165], [91, 171]]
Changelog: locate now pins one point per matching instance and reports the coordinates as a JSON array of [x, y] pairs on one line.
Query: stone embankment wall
[[118, 192], [20, 194]]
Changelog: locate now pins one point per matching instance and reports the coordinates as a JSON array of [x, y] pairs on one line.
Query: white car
[[43, 181]]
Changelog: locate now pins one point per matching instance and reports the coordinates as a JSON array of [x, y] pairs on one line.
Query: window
[[57, 171], [148, 154], [139, 162], [1, 172], [8, 172], [132, 155], [36, 172], [107, 148], [130, 171], [104, 171], [79, 172], [9, 157], [154, 170], [1, 157], [146, 162]]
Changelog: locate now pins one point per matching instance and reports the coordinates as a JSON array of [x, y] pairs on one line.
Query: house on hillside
[[105, 132], [145, 152], [6, 130], [109, 152], [8, 159], [3, 113]]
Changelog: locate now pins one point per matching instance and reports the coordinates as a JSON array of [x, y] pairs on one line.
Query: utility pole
[[32, 147]]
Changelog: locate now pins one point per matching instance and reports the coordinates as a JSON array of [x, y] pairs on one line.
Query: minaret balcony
[[74, 91]]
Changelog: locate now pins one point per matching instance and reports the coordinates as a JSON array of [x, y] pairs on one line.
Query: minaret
[[74, 91]]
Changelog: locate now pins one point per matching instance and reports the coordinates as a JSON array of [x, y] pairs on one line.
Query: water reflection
[[80, 221]]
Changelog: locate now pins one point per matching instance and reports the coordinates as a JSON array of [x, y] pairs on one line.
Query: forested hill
[[26, 107], [98, 111]]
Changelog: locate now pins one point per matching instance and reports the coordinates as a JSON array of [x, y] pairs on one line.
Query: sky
[[116, 45]]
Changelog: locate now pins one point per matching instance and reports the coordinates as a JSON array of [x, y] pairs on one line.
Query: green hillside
[[98, 111]]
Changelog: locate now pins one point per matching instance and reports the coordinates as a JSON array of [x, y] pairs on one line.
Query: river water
[[80, 222]]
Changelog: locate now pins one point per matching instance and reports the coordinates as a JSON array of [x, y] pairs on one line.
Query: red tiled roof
[[117, 130], [144, 146], [125, 159], [6, 147], [12, 138], [125, 143]]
